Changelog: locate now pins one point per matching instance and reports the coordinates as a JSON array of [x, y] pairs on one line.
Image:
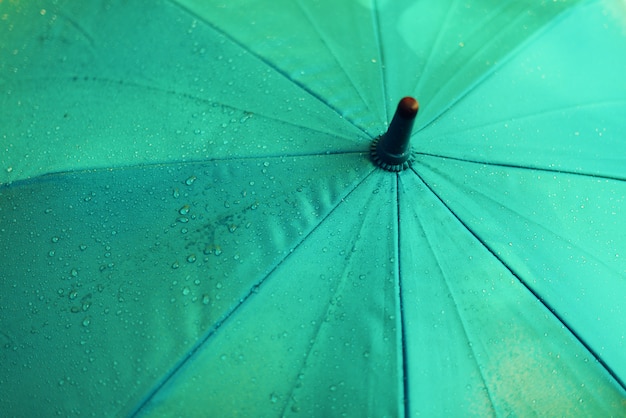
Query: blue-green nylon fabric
[[190, 223]]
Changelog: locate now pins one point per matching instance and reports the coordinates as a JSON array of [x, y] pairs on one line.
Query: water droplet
[[176, 193], [245, 118], [175, 265], [184, 210], [196, 282], [217, 250], [232, 228], [205, 299], [74, 272], [54, 239], [73, 294], [182, 219], [87, 321], [190, 180], [191, 258], [186, 291]]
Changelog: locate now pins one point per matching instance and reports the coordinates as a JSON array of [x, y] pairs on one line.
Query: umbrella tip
[[408, 107], [392, 150]]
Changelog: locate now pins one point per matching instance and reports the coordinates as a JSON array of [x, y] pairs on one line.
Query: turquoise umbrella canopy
[[191, 223]]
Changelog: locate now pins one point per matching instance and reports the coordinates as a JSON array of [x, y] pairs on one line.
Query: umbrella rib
[[255, 288], [527, 118], [524, 167], [48, 175], [405, 367], [267, 62], [180, 94], [547, 305], [381, 51]]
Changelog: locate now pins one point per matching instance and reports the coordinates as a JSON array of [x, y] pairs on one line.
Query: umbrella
[[192, 224]]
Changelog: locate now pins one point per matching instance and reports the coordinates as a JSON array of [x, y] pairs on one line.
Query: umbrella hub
[[392, 150]]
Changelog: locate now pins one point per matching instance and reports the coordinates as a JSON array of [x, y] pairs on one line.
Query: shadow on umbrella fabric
[[191, 223]]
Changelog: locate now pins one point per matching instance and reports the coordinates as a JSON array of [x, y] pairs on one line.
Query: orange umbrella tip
[[392, 150], [408, 107]]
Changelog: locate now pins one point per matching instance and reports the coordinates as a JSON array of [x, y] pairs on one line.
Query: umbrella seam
[[405, 369], [45, 177], [381, 52], [522, 167], [180, 94]]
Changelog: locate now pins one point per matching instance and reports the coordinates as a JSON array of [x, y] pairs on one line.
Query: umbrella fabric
[[190, 223]]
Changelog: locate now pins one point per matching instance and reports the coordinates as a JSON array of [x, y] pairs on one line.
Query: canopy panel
[[563, 106], [500, 351], [113, 84], [112, 277], [532, 221], [316, 338], [437, 51], [331, 49]]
